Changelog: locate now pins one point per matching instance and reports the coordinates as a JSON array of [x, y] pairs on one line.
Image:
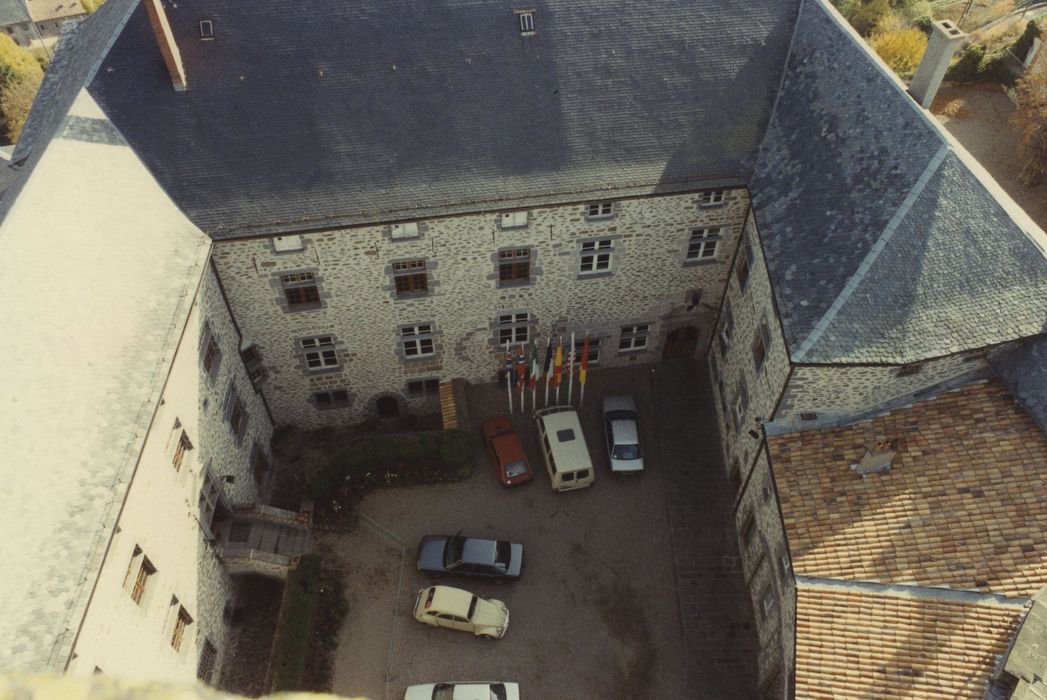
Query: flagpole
[[570, 371], [509, 377], [548, 366], [521, 378], [559, 367], [584, 370]]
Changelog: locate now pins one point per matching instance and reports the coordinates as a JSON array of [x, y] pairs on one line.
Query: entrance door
[[681, 343], [388, 407]]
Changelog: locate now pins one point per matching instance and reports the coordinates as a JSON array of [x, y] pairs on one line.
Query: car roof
[[477, 551], [618, 403], [624, 432], [508, 448], [496, 424], [448, 599], [568, 455]]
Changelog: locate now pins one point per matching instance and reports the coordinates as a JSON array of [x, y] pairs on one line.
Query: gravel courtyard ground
[[596, 614]]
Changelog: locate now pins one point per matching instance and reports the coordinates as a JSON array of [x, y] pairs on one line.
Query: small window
[[735, 476], [181, 622], [319, 352], [417, 341], [335, 398], [748, 529], [181, 448], [565, 435], [259, 463], [596, 256], [410, 278], [211, 354], [703, 243], [287, 244], [236, 414], [808, 416], [741, 404], [408, 230], [526, 22], [513, 328], [594, 349], [301, 290], [139, 571], [745, 262], [909, 370], [760, 344], [634, 337], [599, 210], [726, 329], [514, 219], [514, 266], [711, 198], [423, 387], [206, 29], [783, 565], [205, 669]]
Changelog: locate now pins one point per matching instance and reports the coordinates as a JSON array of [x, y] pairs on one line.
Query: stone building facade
[[345, 319]]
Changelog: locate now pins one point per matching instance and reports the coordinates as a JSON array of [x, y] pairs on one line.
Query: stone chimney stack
[[165, 40], [945, 37]]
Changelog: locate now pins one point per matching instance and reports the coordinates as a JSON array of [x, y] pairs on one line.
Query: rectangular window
[[210, 497], [402, 231], [735, 476], [259, 464], [514, 219], [741, 404], [252, 360], [236, 414], [514, 265], [210, 353], [526, 22], [286, 244], [417, 341], [423, 387], [594, 350], [761, 342], [599, 210], [181, 448], [300, 289], [410, 278], [711, 198], [748, 529], [745, 262], [136, 582], [208, 656], [726, 329], [634, 337], [181, 622], [319, 352], [335, 398], [909, 370], [703, 242], [766, 603], [513, 328], [596, 256]]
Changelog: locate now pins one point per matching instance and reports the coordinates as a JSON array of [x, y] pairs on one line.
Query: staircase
[[263, 540]]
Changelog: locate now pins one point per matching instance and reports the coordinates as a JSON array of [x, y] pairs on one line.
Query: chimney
[[165, 40], [877, 458], [945, 38]]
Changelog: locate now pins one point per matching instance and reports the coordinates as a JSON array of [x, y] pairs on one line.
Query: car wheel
[[435, 574], [498, 581], [486, 636]]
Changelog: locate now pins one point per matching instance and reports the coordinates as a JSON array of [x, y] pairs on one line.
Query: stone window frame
[[300, 290], [743, 269], [319, 353], [236, 415], [601, 211], [740, 405], [909, 370], [598, 254], [512, 219], [210, 498], [513, 327], [761, 345], [210, 353], [702, 240], [208, 660], [726, 331], [293, 243], [747, 529], [331, 399], [419, 335], [629, 338], [406, 231], [594, 349], [708, 199], [251, 356], [514, 261], [410, 278], [424, 387]]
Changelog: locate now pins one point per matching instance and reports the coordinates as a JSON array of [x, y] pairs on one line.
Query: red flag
[[584, 364], [558, 363], [521, 370]]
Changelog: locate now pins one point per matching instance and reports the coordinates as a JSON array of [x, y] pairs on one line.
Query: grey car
[[622, 429], [470, 556]]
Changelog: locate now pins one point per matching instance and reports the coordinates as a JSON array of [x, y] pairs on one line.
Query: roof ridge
[[903, 590]]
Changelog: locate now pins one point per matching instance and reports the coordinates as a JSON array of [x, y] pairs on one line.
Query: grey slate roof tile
[[1023, 368]]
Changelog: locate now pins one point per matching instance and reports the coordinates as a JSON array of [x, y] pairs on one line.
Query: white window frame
[[634, 338], [726, 328], [526, 21], [319, 352], [596, 256], [515, 219], [405, 230], [711, 198], [417, 341], [514, 328], [287, 244], [703, 243], [599, 210]]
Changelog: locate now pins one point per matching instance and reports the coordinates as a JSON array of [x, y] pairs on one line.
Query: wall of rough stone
[[160, 514], [733, 365], [649, 281], [768, 571]]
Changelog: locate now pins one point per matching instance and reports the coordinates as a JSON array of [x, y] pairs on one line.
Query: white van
[[563, 446]]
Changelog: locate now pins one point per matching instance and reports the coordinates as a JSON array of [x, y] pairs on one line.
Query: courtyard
[[619, 581]]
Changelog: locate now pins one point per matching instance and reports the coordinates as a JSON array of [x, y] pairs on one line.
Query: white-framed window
[[423, 387], [514, 266], [287, 244], [181, 620], [406, 230], [526, 21], [206, 29], [703, 243], [594, 349], [596, 256], [711, 198], [300, 290], [319, 352], [417, 340], [410, 278], [333, 398], [633, 337], [514, 328], [514, 219], [726, 329], [599, 210]]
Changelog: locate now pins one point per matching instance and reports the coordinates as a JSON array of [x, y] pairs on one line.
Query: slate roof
[[962, 507], [1023, 368], [299, 117], [872, 644], [13, 12], [883, 245], [55, 9]]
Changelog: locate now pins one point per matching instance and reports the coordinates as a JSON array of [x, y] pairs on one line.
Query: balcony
[[262, 540]]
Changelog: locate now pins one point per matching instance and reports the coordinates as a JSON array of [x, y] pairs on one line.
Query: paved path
[[714, 604]]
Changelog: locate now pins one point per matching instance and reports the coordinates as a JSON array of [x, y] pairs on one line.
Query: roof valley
[[905, 590]]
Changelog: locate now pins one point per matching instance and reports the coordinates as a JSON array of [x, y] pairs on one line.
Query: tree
[[20, 77], [91, 5], [867, 16], [1031, 120], [901, 49]]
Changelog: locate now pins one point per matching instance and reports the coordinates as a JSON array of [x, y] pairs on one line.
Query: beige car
[[444, 606]]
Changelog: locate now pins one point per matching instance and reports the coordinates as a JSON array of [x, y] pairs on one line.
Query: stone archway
[[387, 407], [681, 343]]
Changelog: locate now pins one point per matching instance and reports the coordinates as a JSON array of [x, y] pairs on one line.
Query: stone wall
[[161, 516], [647, 280]]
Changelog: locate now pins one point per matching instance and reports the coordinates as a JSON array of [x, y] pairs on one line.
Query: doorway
[[387, 407], [681, 343]]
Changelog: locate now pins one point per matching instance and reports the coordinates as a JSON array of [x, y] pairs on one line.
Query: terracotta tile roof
[[964, 506], [863, 644]]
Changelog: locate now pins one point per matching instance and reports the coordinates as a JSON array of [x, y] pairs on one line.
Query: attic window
[[408, 230], [286, 244], [206, 29], [526, 22]]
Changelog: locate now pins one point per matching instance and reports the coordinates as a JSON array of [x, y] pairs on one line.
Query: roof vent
[[206, 29], [877, 458], [526, 22]]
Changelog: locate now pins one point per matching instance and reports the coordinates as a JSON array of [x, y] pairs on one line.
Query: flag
[[583, 365], [521, 369], [558, 363], [547, 372], [535, 367], [508, 366]]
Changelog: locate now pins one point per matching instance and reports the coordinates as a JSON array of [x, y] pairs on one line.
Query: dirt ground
[[978, 116], [595, 613]]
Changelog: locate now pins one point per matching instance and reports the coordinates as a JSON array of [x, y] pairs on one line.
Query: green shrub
[[868, 16], [924, 24], [967, 68], [291, 648], [458, 450], [1025, 41]]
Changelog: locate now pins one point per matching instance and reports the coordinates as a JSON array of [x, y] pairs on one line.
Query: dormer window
[[206, 29], [526, 22]]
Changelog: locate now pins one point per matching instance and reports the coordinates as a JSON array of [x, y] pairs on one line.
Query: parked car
[[622, 428], [563, 447], [506, 452], [463, 691], [444, 606], [470, 556]]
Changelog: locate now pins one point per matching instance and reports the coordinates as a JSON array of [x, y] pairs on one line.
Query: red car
[[506, 451]]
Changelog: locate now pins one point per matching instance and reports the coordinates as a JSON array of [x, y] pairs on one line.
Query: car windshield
[[626, 452], [453, 550], [472, 607], [443, 691], [501, 557], [516, 468]]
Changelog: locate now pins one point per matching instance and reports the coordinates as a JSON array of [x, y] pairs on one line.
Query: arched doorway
[[387, 407], [681, 343]]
